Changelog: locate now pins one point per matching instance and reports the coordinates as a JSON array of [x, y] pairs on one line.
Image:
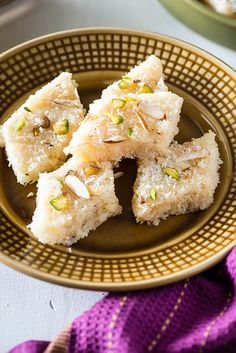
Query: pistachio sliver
[[61, 182], [172, 172], [131, 100], [129, 131], [27, 109], [59, 203], [20, 124], [76, 185], [153, 193], [61, 127], [145, 89], [118, 103], [117, 119], [142, 200], [126, 83]]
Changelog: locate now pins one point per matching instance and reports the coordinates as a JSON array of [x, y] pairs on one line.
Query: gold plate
[[120, 254]]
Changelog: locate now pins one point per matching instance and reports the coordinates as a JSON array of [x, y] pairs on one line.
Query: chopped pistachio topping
[[129, 131], [117, 119], [118, 103], [172, 172], [126, 83], [36, 131], [28, 109], [153, 193], [61, 127], [123, 85], [91, 170], [20, 125], [59, 203], [61, 182], [145, 89], [131, 99]]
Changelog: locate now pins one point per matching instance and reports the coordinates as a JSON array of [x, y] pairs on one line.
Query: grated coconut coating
[[152, 117], [80, 215], [31, 148], [158, 195]]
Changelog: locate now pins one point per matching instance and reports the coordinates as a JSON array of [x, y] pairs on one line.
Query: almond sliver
[[115, 139], [142, 121], [77, 186], [151, 110]]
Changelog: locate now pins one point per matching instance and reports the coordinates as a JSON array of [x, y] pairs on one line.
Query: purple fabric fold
[[197, 315]]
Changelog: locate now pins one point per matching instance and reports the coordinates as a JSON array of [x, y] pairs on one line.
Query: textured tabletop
[[30, 308]]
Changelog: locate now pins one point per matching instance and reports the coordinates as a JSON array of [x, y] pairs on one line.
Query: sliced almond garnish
[[194, 155], [29, 195], [76, 185], [151, 110], [118, 175], [67, 103], [141, 121], [115, 139]]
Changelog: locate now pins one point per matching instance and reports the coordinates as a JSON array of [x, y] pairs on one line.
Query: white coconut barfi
[[182, 181], [145, 77], [72, 201], [36, 134], [134, 118]]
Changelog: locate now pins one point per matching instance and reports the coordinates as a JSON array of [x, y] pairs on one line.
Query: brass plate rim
[[118, 286], [121, 285]]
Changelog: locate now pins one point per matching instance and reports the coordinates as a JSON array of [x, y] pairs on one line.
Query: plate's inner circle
[[119, 234]]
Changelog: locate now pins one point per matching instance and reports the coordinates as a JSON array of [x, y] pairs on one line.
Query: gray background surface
[[30, 309]]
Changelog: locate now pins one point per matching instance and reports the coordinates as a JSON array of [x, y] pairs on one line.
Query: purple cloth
[[193, 316]]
